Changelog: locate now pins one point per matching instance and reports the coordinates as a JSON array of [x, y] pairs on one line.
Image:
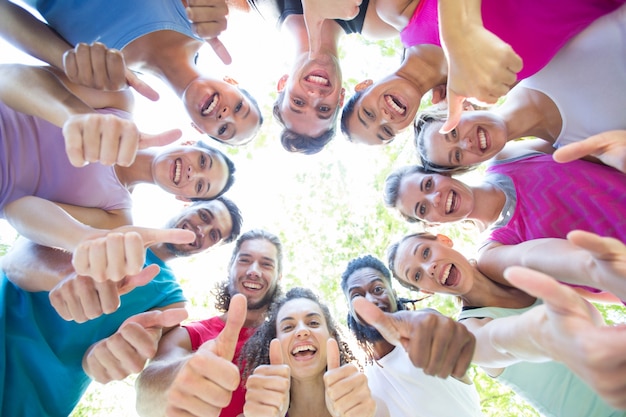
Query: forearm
[[45, 223], [456, 16], [556, 257], [152, 385], [34, 267], [26, 32], [38, 92]]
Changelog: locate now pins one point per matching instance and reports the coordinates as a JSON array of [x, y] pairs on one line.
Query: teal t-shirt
[[42, 354]]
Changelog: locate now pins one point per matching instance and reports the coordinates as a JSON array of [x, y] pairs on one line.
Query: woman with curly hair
[[296, 364]]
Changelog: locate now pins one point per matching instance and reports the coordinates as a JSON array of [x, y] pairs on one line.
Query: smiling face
[[190, 172], [434, 198], [302, 331], [312, 95], [254, 273], [371, 284], [221, 110], [384, 109], [478, 137], [432, 265], [209, 220]]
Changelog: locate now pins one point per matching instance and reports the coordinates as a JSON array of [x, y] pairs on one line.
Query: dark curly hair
[[256, 350], [221, 291]]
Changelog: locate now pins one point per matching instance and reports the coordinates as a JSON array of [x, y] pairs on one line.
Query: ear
[[230, 81], [342, 97], [181, 198], [195, 126], [439, 94], [281, 83], [445, 240], [363, 85]]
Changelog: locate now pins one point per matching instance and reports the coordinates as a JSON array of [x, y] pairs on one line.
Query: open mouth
[[178, 169], [209, 106], [395, 104], [482, 139], [251, 285], [303, 351], [450, 276], [451, 202], [317, 79]]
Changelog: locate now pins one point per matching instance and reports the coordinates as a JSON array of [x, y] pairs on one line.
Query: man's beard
[[175, 251], [363, 332], [267, 299]]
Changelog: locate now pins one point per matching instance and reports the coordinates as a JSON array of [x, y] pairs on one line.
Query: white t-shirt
[[409, 392]]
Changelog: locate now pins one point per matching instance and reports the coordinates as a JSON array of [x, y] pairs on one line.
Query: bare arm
[[581, 259]]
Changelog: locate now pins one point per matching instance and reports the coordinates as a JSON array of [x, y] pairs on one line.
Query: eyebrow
[[356, 287], [406, 271], [311, 314], [378, 135]]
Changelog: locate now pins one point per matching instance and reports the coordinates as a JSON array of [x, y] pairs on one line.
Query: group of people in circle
[[89, 296]]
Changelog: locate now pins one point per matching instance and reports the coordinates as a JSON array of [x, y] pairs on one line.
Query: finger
[[599, 246], [220, 50], [157, 318], [455, 109], [577, 150], [140, 86], [276, 353], [377, 318], [515, 62], [226, 342], [332, 354], [177, 236], [161, 139], [70, 65], [145, 276]]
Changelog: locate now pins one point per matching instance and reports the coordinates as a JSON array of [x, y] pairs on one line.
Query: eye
[[418, 275], [286, 328], [298, 102], [199, 187], [428, 184], [267, 265], [243, 261], [368, 113], [422, 210], [314, 323], [388, 131], [425, 253], [378, 289], [204, 216], [457, 156], [221, 130], [202, 161], [214, 236], [238, 107], [324, 109], [453, 133]]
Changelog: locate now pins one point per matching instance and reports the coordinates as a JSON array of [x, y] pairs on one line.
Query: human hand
[[101, 68], [113, 255], [435, 343], [208, 19], [81, 298], [108, 139], [204, 384], [316, 11], [347, 393], [573, 332], [127, 350], [609, 147], [267, 389], [606, 264], [481, 67]]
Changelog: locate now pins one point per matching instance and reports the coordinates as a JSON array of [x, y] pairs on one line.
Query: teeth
[[317, 80], [449, 202], [252, 285], [211, 106], [445, 275], [482, 139], [178, 170], [392, 103], [303, 348]]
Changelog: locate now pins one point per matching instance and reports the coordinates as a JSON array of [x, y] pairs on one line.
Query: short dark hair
[[296, 142], [392, 252], [348, 110], [255, 105], [391, 189], [367, 261], [230, 166], [221, 290], [256, 350], [422, 121]]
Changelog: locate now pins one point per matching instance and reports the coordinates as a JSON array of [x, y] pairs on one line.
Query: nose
[[386, 115], [302, 330], [224, 114], [434, 198], [370, 297], [467, 143], [254, 270], [191, 172], [432, 268]]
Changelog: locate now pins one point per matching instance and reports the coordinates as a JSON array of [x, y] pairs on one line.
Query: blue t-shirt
[[41, 354]]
